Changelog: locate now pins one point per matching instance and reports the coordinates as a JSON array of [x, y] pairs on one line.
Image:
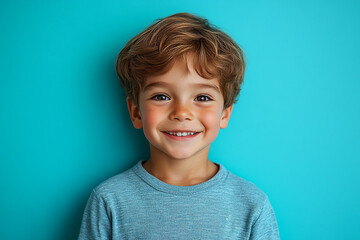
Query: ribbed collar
[[179, 190]]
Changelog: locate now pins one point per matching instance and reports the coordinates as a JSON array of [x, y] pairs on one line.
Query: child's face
[[180, 112]]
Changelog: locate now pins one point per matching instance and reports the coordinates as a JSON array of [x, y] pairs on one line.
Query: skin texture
[[180, 101]]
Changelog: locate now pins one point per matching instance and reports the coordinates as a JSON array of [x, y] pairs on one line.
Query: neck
[[181, 172]]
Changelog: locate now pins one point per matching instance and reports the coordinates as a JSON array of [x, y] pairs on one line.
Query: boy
[[181, 76]]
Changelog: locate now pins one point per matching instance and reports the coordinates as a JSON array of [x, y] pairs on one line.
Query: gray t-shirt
[[137, 205]]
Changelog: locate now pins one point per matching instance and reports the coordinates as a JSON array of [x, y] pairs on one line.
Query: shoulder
[[122, 183], [244, 187], [245, 192], [251, 201]]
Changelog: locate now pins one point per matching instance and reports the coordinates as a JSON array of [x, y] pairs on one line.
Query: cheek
[[211, 118], [150, 119]]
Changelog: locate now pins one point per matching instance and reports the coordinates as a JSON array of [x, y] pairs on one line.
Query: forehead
[[181, 75]]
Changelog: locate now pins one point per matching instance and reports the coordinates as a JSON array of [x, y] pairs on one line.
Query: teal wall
[[64, 126]]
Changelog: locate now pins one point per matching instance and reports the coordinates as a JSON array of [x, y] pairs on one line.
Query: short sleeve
[[96, 224], [265, 227]]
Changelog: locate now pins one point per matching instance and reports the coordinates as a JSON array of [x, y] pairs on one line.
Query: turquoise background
[[294, 132]]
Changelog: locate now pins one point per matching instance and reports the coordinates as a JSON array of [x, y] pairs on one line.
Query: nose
[[181, 112]]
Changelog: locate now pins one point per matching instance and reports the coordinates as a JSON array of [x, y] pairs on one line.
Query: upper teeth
[[181, 134]]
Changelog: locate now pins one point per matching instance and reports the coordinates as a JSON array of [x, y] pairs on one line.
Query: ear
[[225, 116], [134, 112]]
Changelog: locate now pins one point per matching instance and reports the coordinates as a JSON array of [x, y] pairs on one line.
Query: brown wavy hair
[[153, 51]]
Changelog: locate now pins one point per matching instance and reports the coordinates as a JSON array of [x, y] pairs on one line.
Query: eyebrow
[[195, 85], [155, 84]]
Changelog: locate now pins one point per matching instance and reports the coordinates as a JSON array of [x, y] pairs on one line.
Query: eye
[[160, 97], [203, 98]]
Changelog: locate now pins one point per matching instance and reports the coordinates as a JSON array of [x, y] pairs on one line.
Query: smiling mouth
[[181, 133]]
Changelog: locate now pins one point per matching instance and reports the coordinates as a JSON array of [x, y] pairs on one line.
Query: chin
[[180, 156]]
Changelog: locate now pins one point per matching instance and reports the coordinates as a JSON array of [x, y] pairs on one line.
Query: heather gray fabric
[[136, 205]]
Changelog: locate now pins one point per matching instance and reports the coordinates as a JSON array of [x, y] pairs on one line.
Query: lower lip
[[182, 138]]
